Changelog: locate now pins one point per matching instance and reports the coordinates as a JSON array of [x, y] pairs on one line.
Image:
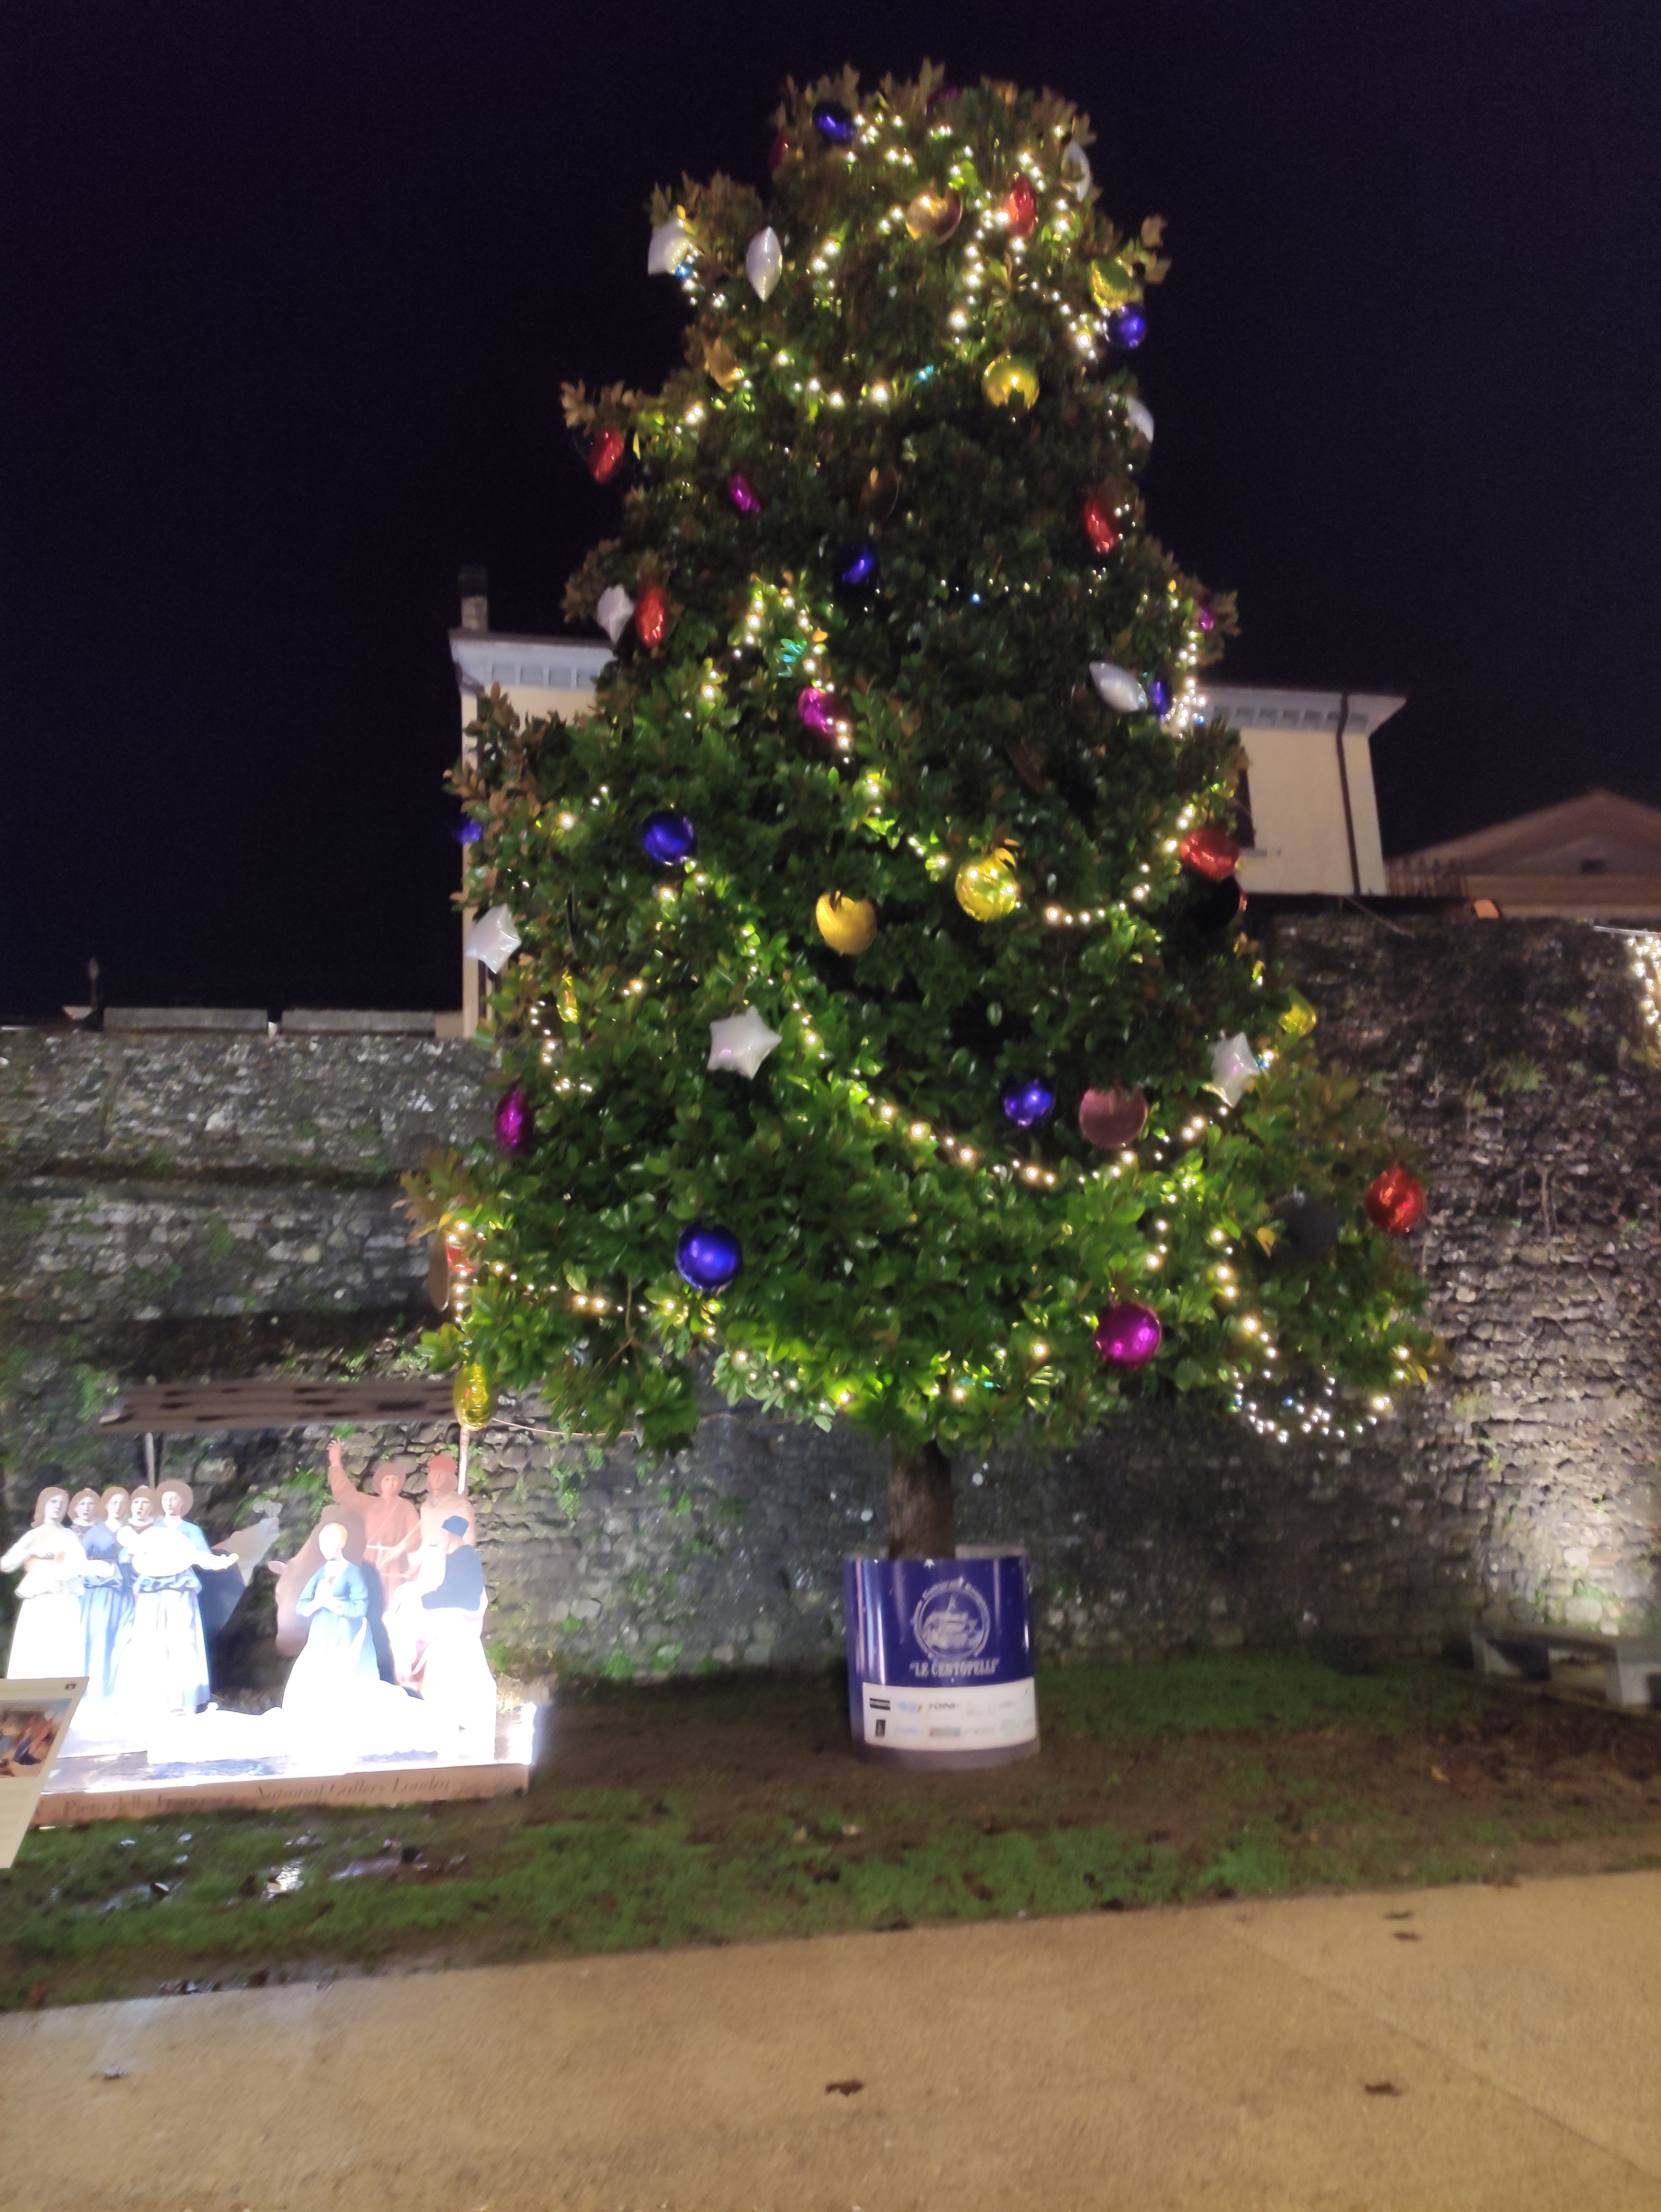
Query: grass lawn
[[724, 1812]]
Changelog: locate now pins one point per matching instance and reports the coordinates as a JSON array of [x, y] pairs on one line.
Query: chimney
[[474, 598]]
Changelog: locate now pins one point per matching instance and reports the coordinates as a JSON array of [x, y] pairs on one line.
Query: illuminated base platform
[[220, 1762]]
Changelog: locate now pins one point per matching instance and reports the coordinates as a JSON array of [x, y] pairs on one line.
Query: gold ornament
[[722, 364], [1009, 381], [475, 1401], [934, 215], [987, 888], [846, 925], [882, 489], [1299, 1018], [1112, 285]]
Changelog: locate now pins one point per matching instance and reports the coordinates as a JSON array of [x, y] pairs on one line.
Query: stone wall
[[188, 1206]]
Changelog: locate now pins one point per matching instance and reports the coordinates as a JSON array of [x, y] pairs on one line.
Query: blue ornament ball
[[856, 567], [1127, 327], [466, 831], [1158, 694], [668, 837], [709, 1256], [834, 123], [1029, 1103]]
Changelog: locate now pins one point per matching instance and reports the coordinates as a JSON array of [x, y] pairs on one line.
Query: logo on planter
[[953, 1621]]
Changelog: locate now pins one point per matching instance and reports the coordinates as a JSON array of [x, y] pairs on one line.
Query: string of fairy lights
[[781, 626]]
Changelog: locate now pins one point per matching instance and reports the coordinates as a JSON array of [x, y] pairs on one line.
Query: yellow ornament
[[722, 363], [567, 997], [1299, 1018], [1112, 284], [934, 214], [846, 925], [986, 888], [475, 1401], [1011, 382]]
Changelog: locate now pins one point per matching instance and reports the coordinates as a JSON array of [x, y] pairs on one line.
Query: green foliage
[[1158, 1783], [911, 1259]]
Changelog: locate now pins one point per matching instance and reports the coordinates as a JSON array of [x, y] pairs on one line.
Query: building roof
[[1276, 707], [1599, 833], [484, 657]]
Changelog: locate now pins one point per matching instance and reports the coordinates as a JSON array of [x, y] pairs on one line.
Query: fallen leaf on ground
[[1437, 1775], [843, 2089], [1407, 1935], [1381, 2088]]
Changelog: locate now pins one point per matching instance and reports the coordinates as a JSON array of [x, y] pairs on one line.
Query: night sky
[[287, 291]]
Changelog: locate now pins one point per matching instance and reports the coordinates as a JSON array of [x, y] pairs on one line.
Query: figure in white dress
[[106, 1600], [457, 1684], [49, 1638], [164, 1662]]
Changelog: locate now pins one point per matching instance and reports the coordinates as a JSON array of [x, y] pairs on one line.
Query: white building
[[1307, 796]]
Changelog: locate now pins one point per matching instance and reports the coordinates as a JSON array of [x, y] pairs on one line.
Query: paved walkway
[[1215, 2059]]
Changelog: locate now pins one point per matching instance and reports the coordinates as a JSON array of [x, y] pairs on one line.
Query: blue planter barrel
[[940, 1659]]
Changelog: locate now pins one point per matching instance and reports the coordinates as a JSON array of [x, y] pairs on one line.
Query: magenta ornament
[[817, 709], [515, 1119], [1127, 1335], [743, 493]]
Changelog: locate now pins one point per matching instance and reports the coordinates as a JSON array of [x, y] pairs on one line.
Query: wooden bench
[[1631, 1665]]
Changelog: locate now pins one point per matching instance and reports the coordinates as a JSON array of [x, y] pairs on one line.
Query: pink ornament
[[1109, 1120], [1127, 1335], [515, 1119], [1208, 620], [818, 710], [743, 493]]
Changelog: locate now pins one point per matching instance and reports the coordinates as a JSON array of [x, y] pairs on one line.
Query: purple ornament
[[1158, 694], [816, 710], [833, 123], [468, 831], [743, 493], [1128, 1335], [668, 837], [515, 1119], [709, 1256], [1208, 621], [1030, 1103], [1127, 327], [856, 567]]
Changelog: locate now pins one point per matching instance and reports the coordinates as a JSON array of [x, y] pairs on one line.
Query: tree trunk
[[921, 1525]]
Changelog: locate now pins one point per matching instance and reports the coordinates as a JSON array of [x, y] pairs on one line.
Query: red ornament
[[1110, 1120], [1395, 1201], [605, 452], [776, 153], [1209, 852], [1100, 526], [1020, 209], [652, 615]]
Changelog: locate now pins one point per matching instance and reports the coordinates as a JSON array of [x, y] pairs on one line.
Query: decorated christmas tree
[[879, 1031]]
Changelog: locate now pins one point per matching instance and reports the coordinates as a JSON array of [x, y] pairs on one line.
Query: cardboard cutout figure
[[337, 1671], [163, 1663], [106, 1600], [409, 1626], [456, 1680], [390, 1521], [50, 1636], [293, 1575]]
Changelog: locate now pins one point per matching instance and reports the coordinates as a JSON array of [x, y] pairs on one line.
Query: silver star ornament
[[741, 1042]]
